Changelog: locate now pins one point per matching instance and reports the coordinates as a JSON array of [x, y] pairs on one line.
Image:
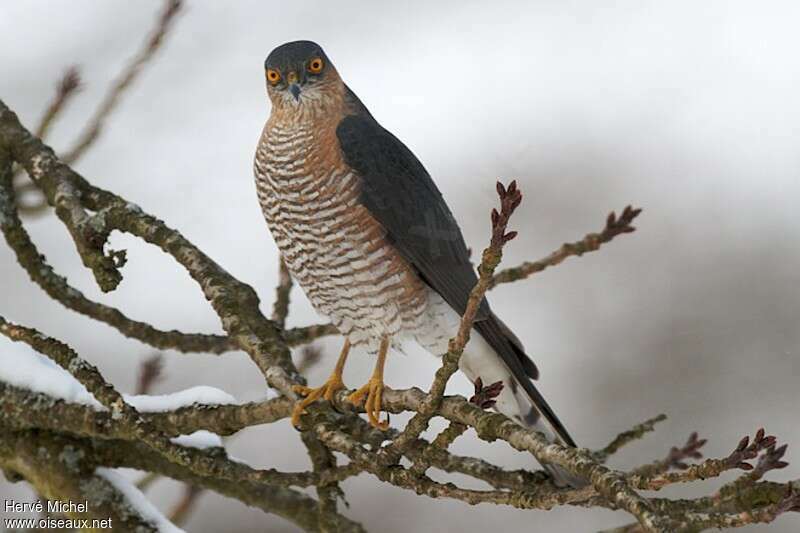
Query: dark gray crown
[[294, 54]]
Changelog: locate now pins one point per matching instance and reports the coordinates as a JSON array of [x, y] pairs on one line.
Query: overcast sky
[[688, 109]]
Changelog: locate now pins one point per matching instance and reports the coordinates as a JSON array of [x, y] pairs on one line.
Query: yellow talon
[[373, 391], [326, 391], [357, 396], [302, 390]]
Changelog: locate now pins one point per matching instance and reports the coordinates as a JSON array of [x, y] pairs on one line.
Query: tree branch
[[66, 473], [287, 503]]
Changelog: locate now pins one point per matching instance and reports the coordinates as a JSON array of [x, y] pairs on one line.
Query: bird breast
[[333, 247]]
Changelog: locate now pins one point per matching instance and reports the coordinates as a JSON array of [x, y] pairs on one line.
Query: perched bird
[[366, 233]]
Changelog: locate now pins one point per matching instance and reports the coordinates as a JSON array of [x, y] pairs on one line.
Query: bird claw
[[326, 391], [373, 391]]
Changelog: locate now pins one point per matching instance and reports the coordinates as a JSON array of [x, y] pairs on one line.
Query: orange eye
[[315, 65], [273, 76]]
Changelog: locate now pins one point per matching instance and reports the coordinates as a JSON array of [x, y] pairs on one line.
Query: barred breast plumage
[[332, 246]]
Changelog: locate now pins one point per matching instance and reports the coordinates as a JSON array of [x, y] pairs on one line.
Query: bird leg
[[373, 390], [327, 390]]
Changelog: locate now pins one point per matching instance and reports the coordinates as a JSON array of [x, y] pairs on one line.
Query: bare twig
[[69, 85], [626, 437], [655, 476], [150, 373], [309, 356], [126, 78], [676, 458], [181, 511], [590, 243]]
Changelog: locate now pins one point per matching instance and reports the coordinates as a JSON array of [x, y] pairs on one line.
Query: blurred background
[[687, 109]]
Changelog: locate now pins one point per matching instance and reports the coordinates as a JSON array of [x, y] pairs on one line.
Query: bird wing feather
[[400, 194]]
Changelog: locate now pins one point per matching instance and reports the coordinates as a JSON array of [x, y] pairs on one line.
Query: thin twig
[[68, 86], [125, 79], [590, 243], [150, 373], [181, 511], [635, 433]]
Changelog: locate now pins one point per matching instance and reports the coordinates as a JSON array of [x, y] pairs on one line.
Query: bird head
[[299, 73]]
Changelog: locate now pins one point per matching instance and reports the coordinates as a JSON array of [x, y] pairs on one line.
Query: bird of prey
[[366, 233]]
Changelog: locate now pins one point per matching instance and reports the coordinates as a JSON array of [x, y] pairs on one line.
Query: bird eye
[[315, 65], [273, 76]]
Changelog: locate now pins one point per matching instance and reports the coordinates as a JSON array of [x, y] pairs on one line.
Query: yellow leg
[[327, 390], [373, 390]]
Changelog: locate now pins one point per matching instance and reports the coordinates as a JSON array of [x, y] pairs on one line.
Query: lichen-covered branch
[[235, 302], [66, 88], [528, 490], [290, 504], [133, 425], [66, 473], [59, 290], [27, 409]]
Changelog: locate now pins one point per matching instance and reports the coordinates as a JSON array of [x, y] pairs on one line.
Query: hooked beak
[[294, 88]]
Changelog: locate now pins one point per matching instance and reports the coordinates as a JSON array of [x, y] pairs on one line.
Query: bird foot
[[373, 391], [326, 391]]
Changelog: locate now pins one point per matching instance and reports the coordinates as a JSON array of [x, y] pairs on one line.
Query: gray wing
[[400, 194]]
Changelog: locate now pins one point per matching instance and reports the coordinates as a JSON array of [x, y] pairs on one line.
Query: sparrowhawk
[[364, 230]]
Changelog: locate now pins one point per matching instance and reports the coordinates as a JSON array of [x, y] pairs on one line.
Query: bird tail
[[519, 399], [532, 419]]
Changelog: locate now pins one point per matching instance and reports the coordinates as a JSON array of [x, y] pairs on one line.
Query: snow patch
[[201, 440], [137, 500], [22, 367], [169, 402]]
